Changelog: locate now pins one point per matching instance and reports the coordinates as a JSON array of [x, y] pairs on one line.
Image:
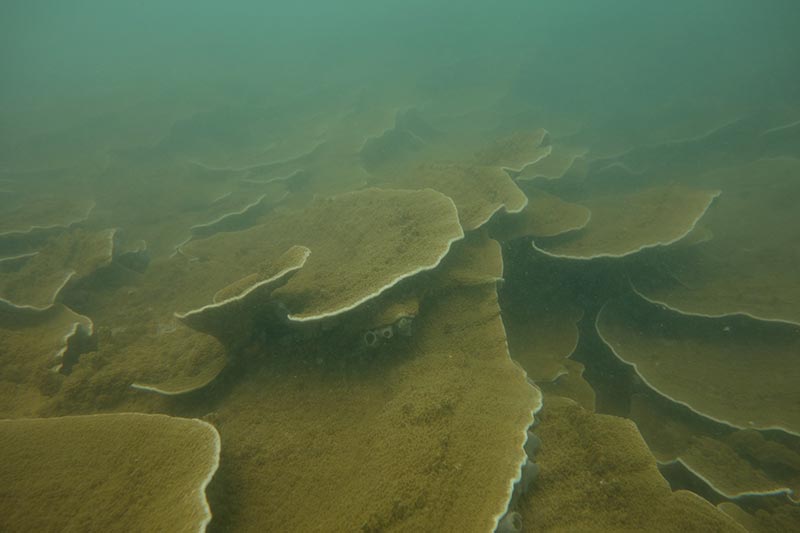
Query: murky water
[[399, 266]]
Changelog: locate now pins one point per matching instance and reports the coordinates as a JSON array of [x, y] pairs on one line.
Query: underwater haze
[[400, 266]]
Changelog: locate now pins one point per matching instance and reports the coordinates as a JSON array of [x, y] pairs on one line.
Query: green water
[[324, 227]]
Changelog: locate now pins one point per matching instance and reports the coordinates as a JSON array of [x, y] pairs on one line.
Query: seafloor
[[407, 307]]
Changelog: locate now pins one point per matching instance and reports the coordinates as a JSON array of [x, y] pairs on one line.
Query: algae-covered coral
[[107, 473], [404, 285]]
